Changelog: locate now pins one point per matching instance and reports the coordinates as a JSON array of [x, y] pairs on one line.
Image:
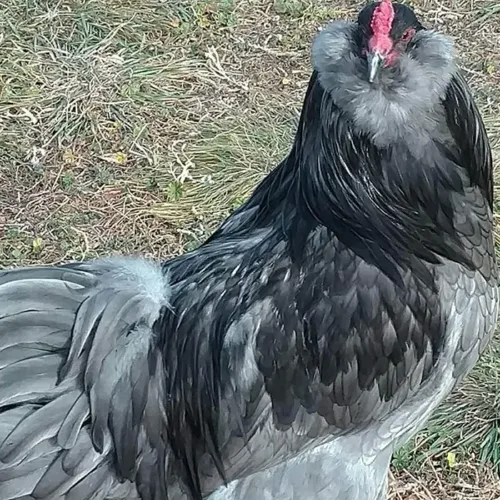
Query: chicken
[[311, 335]]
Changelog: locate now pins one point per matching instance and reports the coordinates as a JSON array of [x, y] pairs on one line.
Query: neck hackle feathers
[[381, 25]]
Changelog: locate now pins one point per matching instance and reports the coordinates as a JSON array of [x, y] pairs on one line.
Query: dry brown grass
[[136, 126]]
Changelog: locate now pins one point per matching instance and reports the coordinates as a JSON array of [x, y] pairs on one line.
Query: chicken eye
[[407, 35]]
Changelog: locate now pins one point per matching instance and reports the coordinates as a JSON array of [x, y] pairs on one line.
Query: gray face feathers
[[404, 100]]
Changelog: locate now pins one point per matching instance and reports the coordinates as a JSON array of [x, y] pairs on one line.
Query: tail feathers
[[65, 274], [69, 468], [28, 466], [150, 483], [35, 327], [37, 427], [29, 380], [81, 382], [20, 487], [73, 422], [16, 297]]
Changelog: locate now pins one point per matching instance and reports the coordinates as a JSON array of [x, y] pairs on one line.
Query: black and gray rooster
[[313, 333]]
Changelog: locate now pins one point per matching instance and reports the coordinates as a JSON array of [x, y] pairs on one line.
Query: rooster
[[311, 335]]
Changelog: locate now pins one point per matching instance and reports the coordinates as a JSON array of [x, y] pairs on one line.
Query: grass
[[136, 126]]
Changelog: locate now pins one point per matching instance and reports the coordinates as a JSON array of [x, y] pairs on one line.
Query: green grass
[[219, 171]]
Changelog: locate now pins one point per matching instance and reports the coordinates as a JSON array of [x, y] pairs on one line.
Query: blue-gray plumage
[[312, 334]]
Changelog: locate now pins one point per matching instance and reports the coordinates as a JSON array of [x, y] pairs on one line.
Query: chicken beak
[[375, 62]]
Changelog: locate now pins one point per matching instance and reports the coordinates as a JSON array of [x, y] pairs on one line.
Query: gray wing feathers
[[80, 384], [473, 311]]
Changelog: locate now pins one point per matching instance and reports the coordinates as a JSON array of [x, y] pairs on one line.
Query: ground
[[137, 125]]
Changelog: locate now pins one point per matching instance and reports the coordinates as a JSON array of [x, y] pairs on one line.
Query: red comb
[[381, 25], [382, 18]]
